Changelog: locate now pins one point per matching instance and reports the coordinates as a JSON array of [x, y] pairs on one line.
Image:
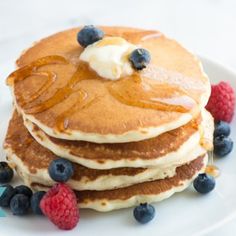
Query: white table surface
[[206, 27]]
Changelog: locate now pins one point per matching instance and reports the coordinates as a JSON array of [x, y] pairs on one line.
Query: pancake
[[171, 148], [152, 191], [94, 111], [31, 161]]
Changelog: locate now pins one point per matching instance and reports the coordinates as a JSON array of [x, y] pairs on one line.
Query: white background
[[206, 27]]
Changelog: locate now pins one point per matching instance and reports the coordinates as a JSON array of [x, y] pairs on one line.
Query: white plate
[[186, 213]]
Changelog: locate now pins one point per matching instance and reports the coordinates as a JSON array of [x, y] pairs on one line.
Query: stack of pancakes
[[127, 148]]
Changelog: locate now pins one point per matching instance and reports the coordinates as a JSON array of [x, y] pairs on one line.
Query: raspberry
[[221, 102], [59, 204]]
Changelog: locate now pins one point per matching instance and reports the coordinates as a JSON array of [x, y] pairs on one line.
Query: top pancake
[[91, 113]]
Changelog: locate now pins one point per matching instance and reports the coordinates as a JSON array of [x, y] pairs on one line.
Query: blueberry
[[24, 190], [60, 170], [35, 201], [222, 145], [140, 58], [144, 213], [89, 35], [7, 195], [20, 204], [222, 128], [204, 183], [6, 172]]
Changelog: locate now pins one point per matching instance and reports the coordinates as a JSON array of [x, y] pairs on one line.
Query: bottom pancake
[[152, 191]]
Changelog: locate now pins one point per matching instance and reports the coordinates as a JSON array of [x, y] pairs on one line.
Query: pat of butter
[[109, 57]]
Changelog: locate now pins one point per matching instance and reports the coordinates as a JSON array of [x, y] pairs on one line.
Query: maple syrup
[[140, 36], [144, 93], [133, 90], [111, 41], [211, 169], [28, 70], [206, 143]]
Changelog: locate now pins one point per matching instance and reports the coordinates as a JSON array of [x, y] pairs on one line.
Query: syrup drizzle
[[150, 94], [62, 121], [151, 36], [135, 90], [212, 169], [62, 93], [28, 70], [141, 36], [205, 142], [50, 79]]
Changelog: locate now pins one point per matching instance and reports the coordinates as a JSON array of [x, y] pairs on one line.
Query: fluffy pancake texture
[[136, 154], [152, 191], [95, 188], [32, 160], [102, 118], [169, 148]]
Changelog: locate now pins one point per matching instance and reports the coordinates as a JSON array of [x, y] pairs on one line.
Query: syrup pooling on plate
[[212, 169], [134, 90], [206, 142]]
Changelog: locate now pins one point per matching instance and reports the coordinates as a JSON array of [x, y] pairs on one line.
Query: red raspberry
[[221, 102], [59, 204]]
